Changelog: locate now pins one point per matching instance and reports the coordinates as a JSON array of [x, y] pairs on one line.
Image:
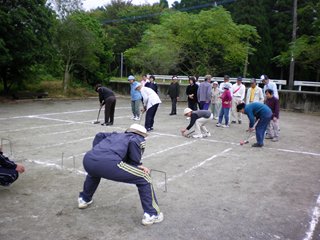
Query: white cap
[[187, 110], [215, 82], [131, 77], [137, 128]]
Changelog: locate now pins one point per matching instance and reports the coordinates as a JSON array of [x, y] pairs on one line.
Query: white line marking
[[57, 166], [168, 149], [57, 144], [57, 113], [195, 166], [314, 220], [293, 151]]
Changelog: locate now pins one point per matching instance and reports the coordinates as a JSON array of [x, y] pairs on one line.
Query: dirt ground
[[216, 189]]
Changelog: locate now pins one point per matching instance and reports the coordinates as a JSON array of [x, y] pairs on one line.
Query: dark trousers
[[262, 127], [151, 112], [204, 105], [110, 105], [193, 105], [120, 172], [8, 176], [174, 105]]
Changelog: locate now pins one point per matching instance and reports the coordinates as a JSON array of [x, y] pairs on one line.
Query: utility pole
[[121, 67], [294, 37]]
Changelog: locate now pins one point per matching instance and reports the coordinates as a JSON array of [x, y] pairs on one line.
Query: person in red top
[[226, 100]]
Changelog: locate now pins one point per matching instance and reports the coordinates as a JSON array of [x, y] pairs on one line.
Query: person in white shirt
[[254, 93], [269, 85], [151, 103], [226, 79], [238, 94]]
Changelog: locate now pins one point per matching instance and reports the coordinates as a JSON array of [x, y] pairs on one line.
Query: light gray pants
[[273, 129], [199, 125], [135, 107]]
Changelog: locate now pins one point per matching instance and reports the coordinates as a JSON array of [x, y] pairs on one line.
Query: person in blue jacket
[[261, 113], [9, 170], [117, 156]]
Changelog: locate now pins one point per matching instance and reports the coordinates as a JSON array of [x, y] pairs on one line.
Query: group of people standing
[[226, 99]]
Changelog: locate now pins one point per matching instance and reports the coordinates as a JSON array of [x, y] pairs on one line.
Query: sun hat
[[138, 129], [187, 110]]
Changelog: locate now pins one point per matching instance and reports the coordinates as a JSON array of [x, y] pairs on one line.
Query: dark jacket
[[104, 93], [152, 85], [273, 104], [174, 90], [192, 89], [126, 147], [6, 163]]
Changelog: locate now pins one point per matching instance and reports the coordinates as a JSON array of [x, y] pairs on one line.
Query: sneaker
[[82, 204], [136, 118], [133, 117], [149, 220], [225, 126], [257, 145], [149, 129], [215, 118], [197, 136], [275, 139], [207, 134], [233, 122], [268, 137], [218, 125]]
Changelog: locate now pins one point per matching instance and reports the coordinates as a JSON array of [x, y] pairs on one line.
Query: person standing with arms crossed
[[174, 92]]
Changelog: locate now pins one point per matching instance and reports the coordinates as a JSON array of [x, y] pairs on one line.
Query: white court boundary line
[[314, 220], [57, 113], [195, 166]]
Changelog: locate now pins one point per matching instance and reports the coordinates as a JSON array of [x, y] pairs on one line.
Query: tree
[[81, 43], [25, 38], [65, 7], [208, 42]]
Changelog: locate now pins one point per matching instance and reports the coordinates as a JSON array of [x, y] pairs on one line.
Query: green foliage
[[84, 48], [208, 42], [25, 38]]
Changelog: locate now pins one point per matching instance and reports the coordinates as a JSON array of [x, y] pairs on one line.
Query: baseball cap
[[131, 77], [239, 78]]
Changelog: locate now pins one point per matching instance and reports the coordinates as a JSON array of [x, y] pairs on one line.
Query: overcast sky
[[92, 4]]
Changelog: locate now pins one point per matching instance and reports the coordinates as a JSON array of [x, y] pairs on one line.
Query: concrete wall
[[290, 100]]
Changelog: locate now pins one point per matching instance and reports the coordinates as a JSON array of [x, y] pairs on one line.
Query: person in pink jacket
[[226, 100]]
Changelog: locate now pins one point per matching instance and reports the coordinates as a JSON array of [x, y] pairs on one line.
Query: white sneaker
[[149, 220], [225, 126], [218, 125], [136, 118], [82, 204], [197, 136], [133, 117], [207, 134]]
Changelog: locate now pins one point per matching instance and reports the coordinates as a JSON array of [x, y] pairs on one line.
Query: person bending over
[[117, 156]]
